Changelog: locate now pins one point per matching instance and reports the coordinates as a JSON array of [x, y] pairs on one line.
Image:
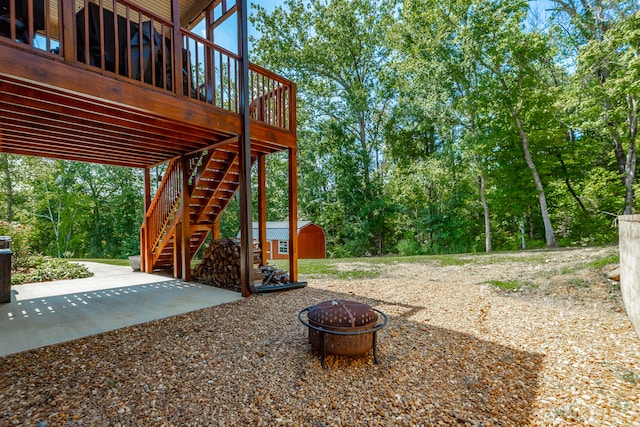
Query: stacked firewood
[[220, 265]]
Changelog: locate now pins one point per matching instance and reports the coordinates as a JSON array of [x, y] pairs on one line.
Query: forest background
[[423, 127]]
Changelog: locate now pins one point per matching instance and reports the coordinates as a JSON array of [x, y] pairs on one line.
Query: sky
[[226, 38]]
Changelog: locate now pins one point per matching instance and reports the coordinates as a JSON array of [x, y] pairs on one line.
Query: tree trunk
[[544, 210], [631, 161], [629, 199], [567, 182], [6, 170], [485, 207]]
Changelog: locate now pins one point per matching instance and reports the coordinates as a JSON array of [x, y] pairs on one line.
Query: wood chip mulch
[[457, 351]]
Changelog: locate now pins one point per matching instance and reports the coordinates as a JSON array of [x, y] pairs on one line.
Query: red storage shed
[[311, 240]]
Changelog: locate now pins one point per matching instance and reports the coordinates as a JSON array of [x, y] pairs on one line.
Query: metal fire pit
[[340, 327]]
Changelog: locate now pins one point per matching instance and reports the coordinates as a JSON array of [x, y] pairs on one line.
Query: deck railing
[[213, 76], [133, 42], [164, 204], [272, 97], [138, 45]]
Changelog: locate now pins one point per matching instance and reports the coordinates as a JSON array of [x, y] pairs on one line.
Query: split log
[[220, 265]]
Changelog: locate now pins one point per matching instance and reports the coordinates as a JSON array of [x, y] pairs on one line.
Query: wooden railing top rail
[[126, 3], [270, 74], [208, 43]]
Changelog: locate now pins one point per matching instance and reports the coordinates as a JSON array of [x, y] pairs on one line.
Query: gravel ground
[[456, 351]]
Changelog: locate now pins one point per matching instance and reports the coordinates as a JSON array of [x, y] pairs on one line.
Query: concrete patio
[[42, 314]]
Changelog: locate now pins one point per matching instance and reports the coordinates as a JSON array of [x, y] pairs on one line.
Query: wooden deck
[[136, 88], [52, 108]]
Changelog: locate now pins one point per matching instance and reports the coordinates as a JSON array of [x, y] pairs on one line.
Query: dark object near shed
[[5, 269]]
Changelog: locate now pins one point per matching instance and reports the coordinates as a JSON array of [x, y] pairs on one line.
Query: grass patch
[[602, 262], [569, 269], [562, 412], [358, 274], [579, 283], [630, 376], [310, 267], [510, 286], [370, 267], [122, 262], [356, 268]]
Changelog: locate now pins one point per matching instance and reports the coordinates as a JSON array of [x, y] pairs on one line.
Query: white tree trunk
[[544, 210], [485, 207]]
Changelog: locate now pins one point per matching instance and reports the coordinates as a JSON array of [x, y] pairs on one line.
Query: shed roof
[[277, 230]]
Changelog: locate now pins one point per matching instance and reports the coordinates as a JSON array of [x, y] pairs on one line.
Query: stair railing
[[164, 204]]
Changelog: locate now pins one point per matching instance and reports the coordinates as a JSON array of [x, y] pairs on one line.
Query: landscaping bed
[[554, 347]]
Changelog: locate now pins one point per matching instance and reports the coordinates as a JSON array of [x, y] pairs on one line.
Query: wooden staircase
[[212, 179]]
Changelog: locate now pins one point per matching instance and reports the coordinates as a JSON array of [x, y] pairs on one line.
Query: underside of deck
[[51, 109]]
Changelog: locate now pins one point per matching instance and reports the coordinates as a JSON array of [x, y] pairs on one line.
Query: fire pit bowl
[[341, 327]]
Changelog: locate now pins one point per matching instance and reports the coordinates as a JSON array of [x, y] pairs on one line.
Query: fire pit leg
[[375, 348], [323, 337]]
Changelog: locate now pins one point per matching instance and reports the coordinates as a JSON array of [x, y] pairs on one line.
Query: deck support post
[[262, 208], [145, 254], [185, 224], [177, 253], [293, 214], [246, 238], [215, 230]]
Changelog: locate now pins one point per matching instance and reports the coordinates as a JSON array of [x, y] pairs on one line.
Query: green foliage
[[603, 262], [44, 269], [435, 208], [19, 245], [630, 376], [346, 268], [408, 247], [579, 283], [109, 261], [336, 52], [78, 209], [509, 286], [402, 107]]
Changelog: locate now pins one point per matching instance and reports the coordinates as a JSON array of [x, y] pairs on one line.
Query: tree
[[604, 38], [7, 174], [58, 206], [489, 72], [336, 52]]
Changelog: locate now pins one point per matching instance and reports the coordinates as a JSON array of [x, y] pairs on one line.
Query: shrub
[[43, 269], [408, 247], [20, 247]]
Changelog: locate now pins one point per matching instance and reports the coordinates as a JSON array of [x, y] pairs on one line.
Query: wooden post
[[293, 215], [177, 253], [293, 99], [293, 189], [147, 188], [215, 231], [262, 208], [68, 34], [177, 49], [145, 254], [246, 238], [185, 225]]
